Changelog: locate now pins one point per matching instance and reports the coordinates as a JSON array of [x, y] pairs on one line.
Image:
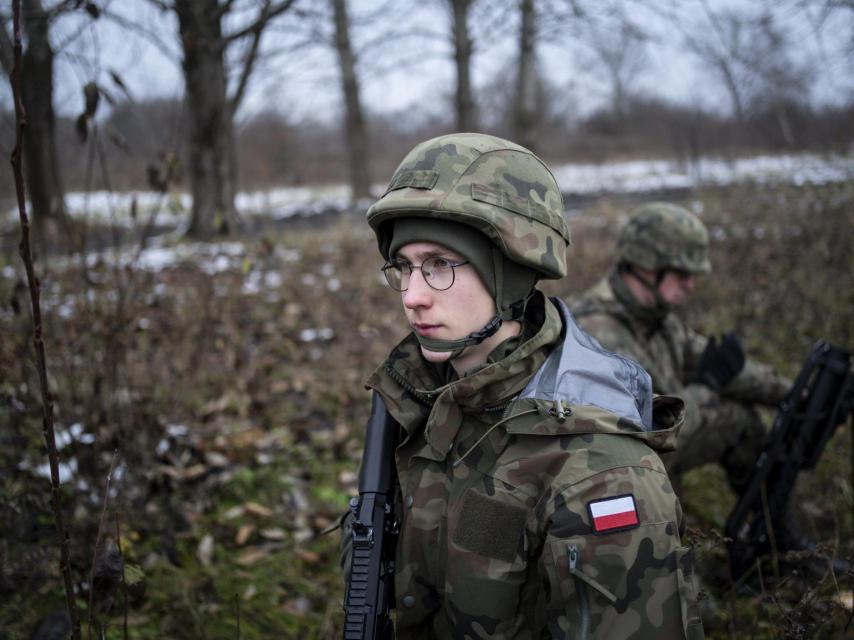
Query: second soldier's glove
[[720, 362]]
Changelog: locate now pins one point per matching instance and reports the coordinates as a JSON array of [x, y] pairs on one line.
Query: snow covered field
[[577, 179], [655, 175], [163, 253]]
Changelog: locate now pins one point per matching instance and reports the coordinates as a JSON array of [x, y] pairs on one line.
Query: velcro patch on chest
[[617, 513], [489, 527]]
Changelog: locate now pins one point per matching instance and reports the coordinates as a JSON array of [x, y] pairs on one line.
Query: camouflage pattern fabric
[[719, 427], [660, 235], [491, 184], [497, 535]]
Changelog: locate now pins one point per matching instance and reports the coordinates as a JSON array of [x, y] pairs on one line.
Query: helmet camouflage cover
[[498, 187], [660, 235]]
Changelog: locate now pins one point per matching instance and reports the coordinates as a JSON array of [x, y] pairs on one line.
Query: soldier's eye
[[401, 266], [437, 264]]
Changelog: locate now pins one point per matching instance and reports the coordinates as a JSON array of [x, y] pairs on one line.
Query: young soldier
[[660, 250], [532, 501]]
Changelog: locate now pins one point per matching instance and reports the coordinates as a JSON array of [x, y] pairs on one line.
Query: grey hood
[[580, 371]]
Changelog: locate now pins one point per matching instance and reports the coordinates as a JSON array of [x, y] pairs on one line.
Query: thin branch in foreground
[[124, 580], [38, 342], [98, 537], [237, 611]]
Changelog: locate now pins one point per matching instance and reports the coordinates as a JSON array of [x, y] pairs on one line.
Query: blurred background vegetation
[[207, 370]]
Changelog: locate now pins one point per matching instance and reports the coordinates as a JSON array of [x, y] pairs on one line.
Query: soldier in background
[[532, 500], [660, 250]]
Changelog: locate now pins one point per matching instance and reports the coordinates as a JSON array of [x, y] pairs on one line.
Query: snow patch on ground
[[138, 207], [654, 175]]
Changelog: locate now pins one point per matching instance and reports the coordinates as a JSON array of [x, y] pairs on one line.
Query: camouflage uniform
[[719, 426], [505, 471]]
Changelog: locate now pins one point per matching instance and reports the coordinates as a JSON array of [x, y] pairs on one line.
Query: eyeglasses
[[438, 273]]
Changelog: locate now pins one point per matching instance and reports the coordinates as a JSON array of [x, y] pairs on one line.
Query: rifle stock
[[820, 399], [369, 595]]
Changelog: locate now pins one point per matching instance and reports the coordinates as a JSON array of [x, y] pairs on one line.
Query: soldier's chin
[[435, 356]]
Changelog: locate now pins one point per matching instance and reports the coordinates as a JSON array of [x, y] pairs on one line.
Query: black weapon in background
[[369, 595], [821, 398]]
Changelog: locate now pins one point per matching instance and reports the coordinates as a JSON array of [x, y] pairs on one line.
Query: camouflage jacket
[[666, 348], [533, 503]]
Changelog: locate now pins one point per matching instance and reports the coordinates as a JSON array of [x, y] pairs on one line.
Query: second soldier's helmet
[[498, 187], [660, 235]]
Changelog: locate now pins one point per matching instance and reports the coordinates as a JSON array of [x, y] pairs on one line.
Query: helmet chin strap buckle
[[489, 330]]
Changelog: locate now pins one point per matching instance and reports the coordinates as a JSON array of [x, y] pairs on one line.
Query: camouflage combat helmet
[[660, 235], [498, 187]]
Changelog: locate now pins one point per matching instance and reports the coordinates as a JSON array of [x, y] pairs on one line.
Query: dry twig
[[98, 538], [38, 342]]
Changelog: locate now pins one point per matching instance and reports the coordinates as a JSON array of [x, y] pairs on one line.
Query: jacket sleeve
[[620, 582], [758, 382]]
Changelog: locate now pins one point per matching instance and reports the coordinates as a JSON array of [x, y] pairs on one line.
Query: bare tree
[[211, 107], [44, 183], [721, 44], [752, 55], [525, 112], [618, 47], [782, 82], [463, 49], [356, 133]]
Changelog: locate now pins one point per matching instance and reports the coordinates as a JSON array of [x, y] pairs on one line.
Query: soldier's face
[[451, 314], [676, 287]]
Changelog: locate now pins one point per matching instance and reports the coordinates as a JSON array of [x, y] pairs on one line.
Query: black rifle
[[821, 398], [369, 595]]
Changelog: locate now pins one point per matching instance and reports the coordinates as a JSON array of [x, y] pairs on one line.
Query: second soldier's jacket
[[533, 503], [669, 351]]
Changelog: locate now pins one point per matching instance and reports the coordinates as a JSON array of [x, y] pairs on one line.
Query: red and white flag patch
[[613, 514]]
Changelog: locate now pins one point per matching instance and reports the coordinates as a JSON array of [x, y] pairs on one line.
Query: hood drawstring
[[459, 460]]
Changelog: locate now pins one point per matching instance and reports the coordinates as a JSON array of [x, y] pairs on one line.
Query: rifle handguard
[[369, 595], [820, 400]]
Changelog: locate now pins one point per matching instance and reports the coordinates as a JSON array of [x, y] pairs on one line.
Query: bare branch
[[266, 14], [98, 538], [248, 63], [224, 8], [38, 341], [165, 47], [124, 580]]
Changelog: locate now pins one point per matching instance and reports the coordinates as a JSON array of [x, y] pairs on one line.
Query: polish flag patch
[[613, 514]]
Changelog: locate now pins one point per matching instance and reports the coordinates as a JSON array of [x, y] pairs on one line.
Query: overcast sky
[[416, 76]]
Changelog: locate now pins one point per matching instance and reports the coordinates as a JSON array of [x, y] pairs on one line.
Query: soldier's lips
[[426, 330]]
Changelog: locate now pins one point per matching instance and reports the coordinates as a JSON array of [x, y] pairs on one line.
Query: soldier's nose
[[418, 293]]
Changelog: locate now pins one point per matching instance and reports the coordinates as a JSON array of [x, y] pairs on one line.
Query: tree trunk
[[210, 135], [462, 58], [41, 166], [526, 94], [356, 134], [732, 87]]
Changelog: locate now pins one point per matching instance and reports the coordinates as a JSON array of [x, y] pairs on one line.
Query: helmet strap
[[513, 311], [456, 347]]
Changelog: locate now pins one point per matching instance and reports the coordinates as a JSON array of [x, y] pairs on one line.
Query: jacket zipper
[[581, 590], [418, 395]]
